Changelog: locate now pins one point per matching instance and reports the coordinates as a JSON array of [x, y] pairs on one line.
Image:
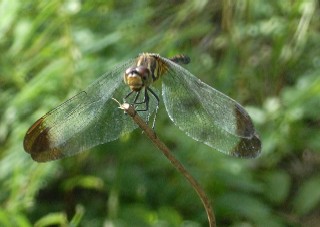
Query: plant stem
[[165, 150]]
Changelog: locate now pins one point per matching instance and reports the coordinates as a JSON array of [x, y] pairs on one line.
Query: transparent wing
[[84, 121], [207, 115]]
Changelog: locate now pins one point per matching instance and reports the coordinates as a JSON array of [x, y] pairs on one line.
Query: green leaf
[[308, 196], [277, 186], [58, 218]]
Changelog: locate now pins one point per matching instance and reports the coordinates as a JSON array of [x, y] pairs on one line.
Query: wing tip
[[248, 147], [38, 144]]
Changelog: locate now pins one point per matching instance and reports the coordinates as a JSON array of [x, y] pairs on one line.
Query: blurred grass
[[263, 54]]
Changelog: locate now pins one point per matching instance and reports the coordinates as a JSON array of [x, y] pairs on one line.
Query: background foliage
[[265, 54]]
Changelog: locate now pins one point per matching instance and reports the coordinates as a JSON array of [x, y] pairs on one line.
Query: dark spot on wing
[[35, 137], [247, 147], [41, 143], [244, 124], [37, 143]]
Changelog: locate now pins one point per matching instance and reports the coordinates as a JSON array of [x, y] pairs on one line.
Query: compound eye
[[130, 70], [143, 72]]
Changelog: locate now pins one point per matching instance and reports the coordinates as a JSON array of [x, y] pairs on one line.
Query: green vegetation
[[264, 54]]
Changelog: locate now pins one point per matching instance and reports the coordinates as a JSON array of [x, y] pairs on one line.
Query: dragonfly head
[[137, 77]]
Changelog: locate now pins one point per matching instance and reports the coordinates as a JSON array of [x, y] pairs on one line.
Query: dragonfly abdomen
[[180, 59]]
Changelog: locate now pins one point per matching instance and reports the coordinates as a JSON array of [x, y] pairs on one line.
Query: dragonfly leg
[[134, 103], [145, 100], [135, 100], [157, 107], [127, 96]]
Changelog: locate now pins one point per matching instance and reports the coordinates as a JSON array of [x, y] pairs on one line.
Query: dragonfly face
[[138, 77], [92, 117]]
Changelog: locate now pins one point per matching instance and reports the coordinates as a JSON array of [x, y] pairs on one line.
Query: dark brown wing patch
[[37, 143], [248, 148]]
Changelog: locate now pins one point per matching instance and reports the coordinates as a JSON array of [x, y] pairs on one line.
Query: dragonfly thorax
[[138, 77]]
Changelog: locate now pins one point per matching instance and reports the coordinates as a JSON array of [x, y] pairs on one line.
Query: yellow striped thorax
[[148, 68]]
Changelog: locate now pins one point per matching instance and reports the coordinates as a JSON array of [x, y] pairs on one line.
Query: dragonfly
[[92, 117]]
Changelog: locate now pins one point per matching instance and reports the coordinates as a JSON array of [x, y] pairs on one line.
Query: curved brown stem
[[165, 150]]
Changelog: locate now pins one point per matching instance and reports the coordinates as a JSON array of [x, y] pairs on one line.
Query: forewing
[[207, 115], [90, 118]]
